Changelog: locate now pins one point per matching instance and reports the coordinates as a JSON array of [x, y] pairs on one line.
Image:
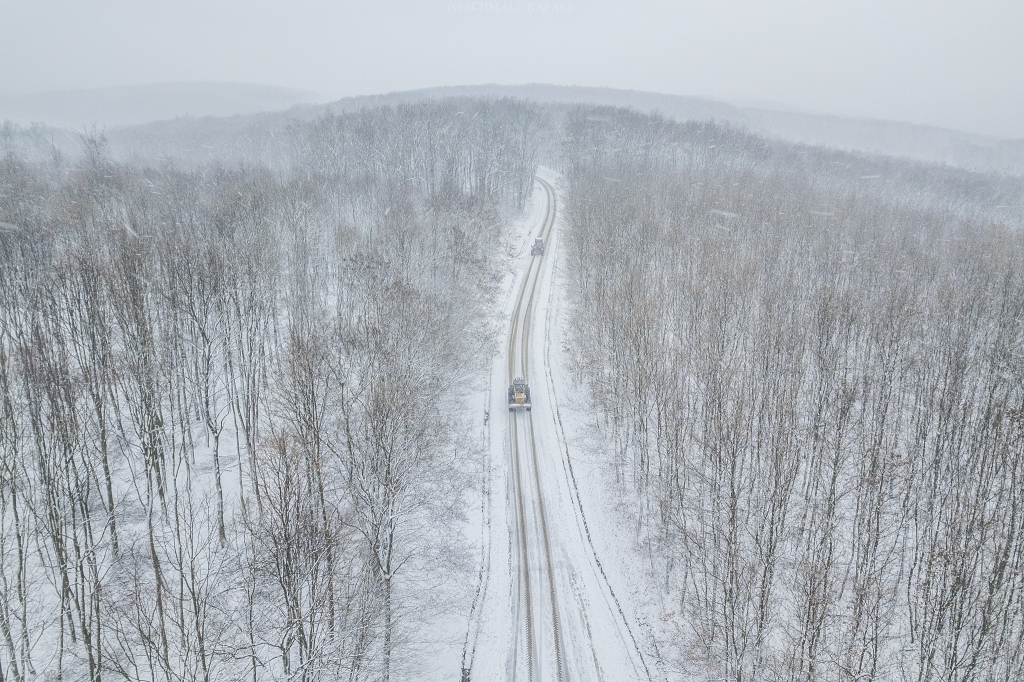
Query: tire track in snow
[[571, 477], [519, 335], [484, 575]]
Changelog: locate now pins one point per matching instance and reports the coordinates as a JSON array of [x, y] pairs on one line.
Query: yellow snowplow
[[519, 395]]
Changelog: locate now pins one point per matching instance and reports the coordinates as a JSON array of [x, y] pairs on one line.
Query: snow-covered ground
[[561, 584]]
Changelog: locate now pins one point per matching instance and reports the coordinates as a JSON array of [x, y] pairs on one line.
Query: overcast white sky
[[957, 64]]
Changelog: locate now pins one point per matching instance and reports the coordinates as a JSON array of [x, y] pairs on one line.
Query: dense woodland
[[230, 395], [811, 366]]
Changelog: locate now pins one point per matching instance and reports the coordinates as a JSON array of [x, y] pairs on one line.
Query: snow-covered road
[[546, 609]]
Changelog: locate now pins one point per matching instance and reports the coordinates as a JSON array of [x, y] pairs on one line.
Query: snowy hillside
[[132, 105], [471, 389]]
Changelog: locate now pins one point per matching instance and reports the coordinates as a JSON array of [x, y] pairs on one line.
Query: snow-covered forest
[[229, 432], [238, 365], [811, 369]]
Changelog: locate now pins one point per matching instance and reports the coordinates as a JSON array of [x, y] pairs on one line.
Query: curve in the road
[[538, 633], [518, 346]]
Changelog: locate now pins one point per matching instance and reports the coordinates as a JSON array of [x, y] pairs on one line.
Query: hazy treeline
[[459, 145], [815, 389], [481, 142], [227, 442]]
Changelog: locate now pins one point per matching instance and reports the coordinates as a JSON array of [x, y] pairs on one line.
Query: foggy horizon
[[936, 64]]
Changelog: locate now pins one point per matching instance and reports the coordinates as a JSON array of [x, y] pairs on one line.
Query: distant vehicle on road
[[519, 395], [538, 247]]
